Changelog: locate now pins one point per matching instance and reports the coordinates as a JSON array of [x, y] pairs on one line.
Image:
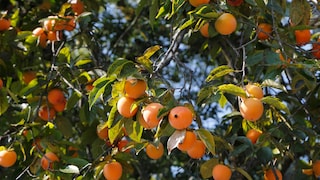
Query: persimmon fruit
[[253, 135], [221, 172], [48, 160], [102, 132], [264, 30], [150, 114], [112, 170], [126, 107], [77, 7], [204, 30], [273, 174], [196, 3], [46, 113], [180, 117], [197, 150], [189, 139], [225, 24], [8, 158], [251, 109], [316, 168], [254, 91], [1, 83], [302, 36], [28, 76], [4, 24], [56, 96], [155, 152], [135, 88]]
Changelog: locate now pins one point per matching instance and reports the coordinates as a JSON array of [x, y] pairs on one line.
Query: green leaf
[[186, 24], [300, 12], [115, 131], [275, 102], [99, 88], [273, 84], [83, 62], [153, 9], [219, 72], [223, 100], [64, 126], [255, 58], [70, 169], [206, 168], [205, 93], [3, 102], [208, 139], [141, 5], [145, 58], [64, 55], [111, 116], [116, 67], [134, 130], [77, 162], [73, 100], [232, 89]]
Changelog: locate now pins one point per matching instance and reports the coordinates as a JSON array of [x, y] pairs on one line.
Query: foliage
[[159, 42]]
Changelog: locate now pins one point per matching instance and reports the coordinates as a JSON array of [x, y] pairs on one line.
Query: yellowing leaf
[[232, 89], [219, 72], [275, 102], [206, 168]]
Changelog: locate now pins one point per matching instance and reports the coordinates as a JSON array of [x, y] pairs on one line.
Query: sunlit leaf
[[116, 67], [232, 89], [134, 130], [115, 131], [82, 62], [70, 169], [174, 140], [223, 100], [275, 102], [64, 55], [219, 72], [206, 168], [273, 84], [145, 58], [3, 102], [208, 139]]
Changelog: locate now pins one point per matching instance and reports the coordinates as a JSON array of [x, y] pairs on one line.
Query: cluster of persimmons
[[53, 26]]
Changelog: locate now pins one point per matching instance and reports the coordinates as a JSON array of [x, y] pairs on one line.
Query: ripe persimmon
[[70, 23], [122, 145], [77, 7], [196, 3], [154, 152], [60, 106], [53, 35], [273, 174], [48, 160], [102, 131], [221, 172], [197, 150], [253, 135], [46, 113], [180, 117], [316, 49], [251, 109], [8, 158], [126, 107], [308, 172], [112, 170], [204, 30], [189, 139], [141, 121], [56, 96], [254, 91], [302, 36], [316, 168], [42, 40], [264, 30], [28, 76], [135, 88], [150, 114], [38, 31], [4, 24], [1, 83], [225, 24]]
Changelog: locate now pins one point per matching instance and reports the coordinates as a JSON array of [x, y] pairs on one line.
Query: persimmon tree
[[159, 89]]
